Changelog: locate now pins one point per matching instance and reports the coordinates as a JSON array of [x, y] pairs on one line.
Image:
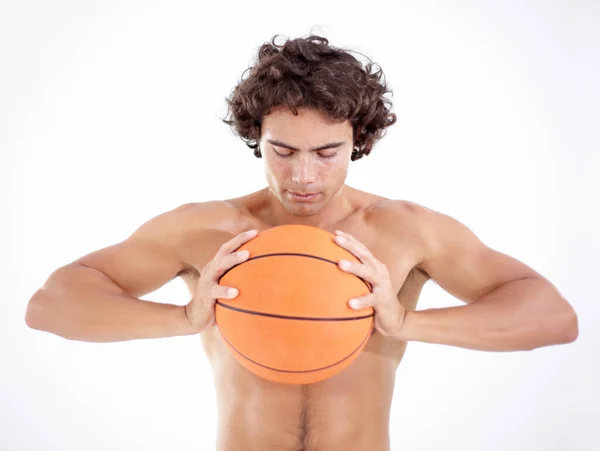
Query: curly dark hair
[[308, 72]]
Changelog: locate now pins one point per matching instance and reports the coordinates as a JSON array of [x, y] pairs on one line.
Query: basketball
[[291, 322]]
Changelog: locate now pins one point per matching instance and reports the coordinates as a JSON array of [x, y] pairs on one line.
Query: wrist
[[183, 325], [404, 331]]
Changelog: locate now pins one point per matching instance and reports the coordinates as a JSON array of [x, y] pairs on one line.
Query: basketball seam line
[[302, 318], [293, 254], [298, 371]]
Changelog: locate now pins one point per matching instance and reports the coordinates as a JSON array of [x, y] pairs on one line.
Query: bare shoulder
[[173, 243], [194, 230], [211, 214], [405, 226], [408, 217], [169, 232], [397, 215], [430, 227], [175, 224]]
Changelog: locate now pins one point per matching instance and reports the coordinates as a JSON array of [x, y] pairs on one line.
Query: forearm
[[80, 303], [521, 315]]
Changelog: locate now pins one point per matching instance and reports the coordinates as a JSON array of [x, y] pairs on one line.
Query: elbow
[[564, 329], [42, 315], [563, 322], [34, 314], [569, 327], [44, 308], [560, 330], [43, 312]]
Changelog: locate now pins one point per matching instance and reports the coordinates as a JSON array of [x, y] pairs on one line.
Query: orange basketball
[[291, 321]]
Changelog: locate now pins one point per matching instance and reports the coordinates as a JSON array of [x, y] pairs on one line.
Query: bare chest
[[335, 414]]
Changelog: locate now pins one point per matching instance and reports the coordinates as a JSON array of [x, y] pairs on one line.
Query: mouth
[[303, 196]]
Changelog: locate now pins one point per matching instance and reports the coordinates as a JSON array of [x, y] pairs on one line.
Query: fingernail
[[339, 232], [232, 292], [344, 264], [354, 303], [244, 254], [251, 232], [340, 239]]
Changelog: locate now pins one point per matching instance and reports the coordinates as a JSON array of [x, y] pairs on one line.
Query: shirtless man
[[285, 111]]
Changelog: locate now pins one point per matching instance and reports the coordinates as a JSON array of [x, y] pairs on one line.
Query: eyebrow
[[323, 147]]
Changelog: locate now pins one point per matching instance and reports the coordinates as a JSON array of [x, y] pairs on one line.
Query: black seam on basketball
[[298, 371], [302, 318], [293, 254]]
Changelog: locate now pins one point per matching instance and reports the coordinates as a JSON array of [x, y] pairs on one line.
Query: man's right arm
[[95, 298]]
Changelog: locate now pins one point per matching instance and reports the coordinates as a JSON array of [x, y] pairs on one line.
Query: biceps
[[464, 266], [136, 267]]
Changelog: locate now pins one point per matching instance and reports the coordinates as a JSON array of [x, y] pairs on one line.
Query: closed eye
[[287, 155], [282, 155], [328, 156]]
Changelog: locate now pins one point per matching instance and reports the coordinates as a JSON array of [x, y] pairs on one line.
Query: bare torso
[[349, 411]]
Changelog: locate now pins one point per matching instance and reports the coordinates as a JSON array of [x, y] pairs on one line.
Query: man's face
[[306, 158]]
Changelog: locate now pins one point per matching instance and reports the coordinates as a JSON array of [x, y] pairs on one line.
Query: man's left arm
[[508, 305]]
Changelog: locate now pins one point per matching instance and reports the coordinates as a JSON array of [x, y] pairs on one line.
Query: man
[[308, 109]]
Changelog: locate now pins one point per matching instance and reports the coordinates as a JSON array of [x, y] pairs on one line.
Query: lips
[[302, 196]]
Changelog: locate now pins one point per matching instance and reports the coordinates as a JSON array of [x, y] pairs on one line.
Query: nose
[[304, 171]]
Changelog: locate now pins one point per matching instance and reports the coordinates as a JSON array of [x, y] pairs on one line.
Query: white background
[[109, 115]]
